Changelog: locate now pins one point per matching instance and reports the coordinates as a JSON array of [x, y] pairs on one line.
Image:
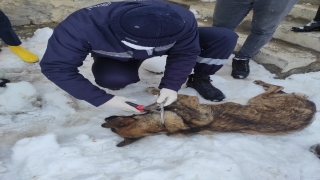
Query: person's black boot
[[240, 68], [316, 150], [204, 87], [3, 82], [311, 26]]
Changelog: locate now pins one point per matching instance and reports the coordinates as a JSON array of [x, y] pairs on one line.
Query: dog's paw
[[153, 90], [258, 82], [127, 141]]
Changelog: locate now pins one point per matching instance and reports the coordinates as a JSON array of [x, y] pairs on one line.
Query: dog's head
[[134, 127]]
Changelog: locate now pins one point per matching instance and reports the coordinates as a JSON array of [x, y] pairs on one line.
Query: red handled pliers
[[137, 106]]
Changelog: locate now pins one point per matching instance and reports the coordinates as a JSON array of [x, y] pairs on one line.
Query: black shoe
[[311, 26], [3, 82], [240, 68], [316, 150], [204, 87]]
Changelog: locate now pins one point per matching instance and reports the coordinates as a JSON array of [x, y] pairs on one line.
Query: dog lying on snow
[[272, 112]]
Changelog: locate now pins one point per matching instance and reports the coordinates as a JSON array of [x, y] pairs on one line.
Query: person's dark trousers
[[7, 34], [217, 44], [114, 74]]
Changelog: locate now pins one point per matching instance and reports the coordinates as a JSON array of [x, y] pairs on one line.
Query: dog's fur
[[272, 112]]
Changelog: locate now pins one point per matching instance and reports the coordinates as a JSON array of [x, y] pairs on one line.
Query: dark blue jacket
[[87, 31]]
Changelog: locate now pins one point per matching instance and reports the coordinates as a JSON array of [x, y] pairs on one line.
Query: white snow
[[155, 64], [136, 46], [18, 98], [46, 134]]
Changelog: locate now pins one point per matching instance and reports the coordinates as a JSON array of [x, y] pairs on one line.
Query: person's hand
[[119, 102], [167, 94]]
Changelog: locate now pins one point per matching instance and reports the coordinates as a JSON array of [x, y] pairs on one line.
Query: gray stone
[[22, 12]]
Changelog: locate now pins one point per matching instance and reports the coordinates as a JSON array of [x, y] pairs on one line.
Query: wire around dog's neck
[[162, 114]]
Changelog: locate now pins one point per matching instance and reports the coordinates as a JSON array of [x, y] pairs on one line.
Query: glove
[[168, 94], [119, 102]]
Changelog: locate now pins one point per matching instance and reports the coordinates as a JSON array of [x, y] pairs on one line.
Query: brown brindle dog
[[272, 112]]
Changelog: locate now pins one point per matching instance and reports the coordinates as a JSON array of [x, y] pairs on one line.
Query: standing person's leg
[[115, 74], [216, 44], [317, 16], [230, 13], [8, 36], [6, 32], [314, 25], [12, 40], [267, 15]]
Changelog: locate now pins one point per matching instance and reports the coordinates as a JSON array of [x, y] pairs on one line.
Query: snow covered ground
[[45, 134]]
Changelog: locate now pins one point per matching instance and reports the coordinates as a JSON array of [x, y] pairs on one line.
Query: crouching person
[[120, 36]]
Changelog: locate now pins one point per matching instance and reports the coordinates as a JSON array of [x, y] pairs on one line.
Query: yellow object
[[24, 54]]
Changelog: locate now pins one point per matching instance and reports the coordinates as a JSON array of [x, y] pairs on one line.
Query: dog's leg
[[269, 88], [265, 85], [127, 141]]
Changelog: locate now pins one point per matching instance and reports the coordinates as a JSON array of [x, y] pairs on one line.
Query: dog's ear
[[117, 122], [127, 141], [111, 118]]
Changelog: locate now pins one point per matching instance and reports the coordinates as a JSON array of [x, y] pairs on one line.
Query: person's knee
[[216, 34], [223, 24], [112, 82], [112, 85], [230, 37]]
